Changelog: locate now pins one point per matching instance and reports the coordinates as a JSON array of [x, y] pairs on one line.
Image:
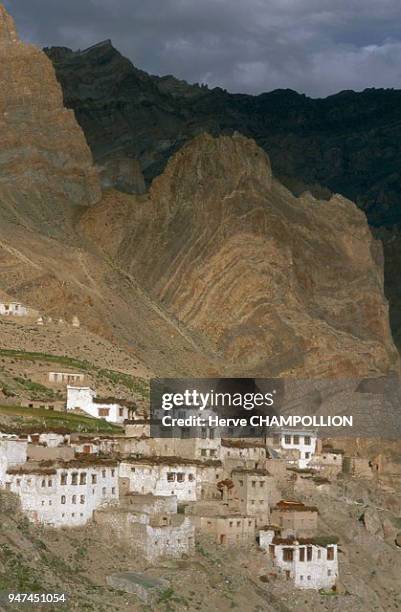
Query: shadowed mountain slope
[[348, 143]]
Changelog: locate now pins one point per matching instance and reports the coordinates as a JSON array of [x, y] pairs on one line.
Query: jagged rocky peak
[[213, 165], [8, 32], [266, 283], [44, 154]]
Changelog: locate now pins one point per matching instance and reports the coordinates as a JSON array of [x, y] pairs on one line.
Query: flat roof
[[171, 460]]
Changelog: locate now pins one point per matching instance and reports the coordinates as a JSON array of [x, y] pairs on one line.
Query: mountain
[[46, 166], [264, 282], [349, 143], [217, 270]]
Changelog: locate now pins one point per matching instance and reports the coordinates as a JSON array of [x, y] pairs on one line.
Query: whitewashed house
[[63, 494], [111, 409], [310, 563], [161, 476], [150, 525], [300, 444], [66, 378], [12, 453], [13, 309]]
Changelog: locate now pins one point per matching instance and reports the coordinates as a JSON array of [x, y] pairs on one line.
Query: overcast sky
[[316, 47]]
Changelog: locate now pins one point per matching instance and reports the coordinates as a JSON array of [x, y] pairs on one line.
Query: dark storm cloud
[[314, 46]]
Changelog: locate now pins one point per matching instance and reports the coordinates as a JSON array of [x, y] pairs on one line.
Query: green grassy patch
[[20, 419], [132, 383], [37, 390]]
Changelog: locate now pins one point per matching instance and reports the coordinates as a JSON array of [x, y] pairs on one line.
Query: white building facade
[[145, 476], [12, 453], [110, 409], [66, 378], [310, 564], [303, 442], [13, 309], [63, 496]]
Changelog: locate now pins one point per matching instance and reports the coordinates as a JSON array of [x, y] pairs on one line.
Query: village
[[162, 496]]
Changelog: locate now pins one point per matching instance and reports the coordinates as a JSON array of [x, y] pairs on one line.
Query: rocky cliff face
[[349, 143], [264, 282], [217, 270], [45, 163]]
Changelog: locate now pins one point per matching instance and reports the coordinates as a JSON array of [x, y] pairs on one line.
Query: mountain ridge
[[348, 143]]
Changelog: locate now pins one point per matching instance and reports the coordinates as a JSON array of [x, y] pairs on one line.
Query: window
[[238, 523], [241, 483], [252, 502], [204, 433], [63, 499], [191, 477], [50, 482], [211, 433], [74, 499], [180, 477], [170, 476], [307, 455], [296, 439], [302, 554], [94, 478], [212, 452], [309, 554], [43, 483], [307, 440], [231, 523], [330, 553], [253, 484], [103, 412], [104, 491], [63, 479], [329, 572], [82, 499], [288, 554], [103, 473], [309, 577], [74, 478], [121, 412], [262, 482], [18, 482], [113, 490], [203, 452], [185, 433], [82, 478], [113, 473], [319, 554], [287, 439]]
